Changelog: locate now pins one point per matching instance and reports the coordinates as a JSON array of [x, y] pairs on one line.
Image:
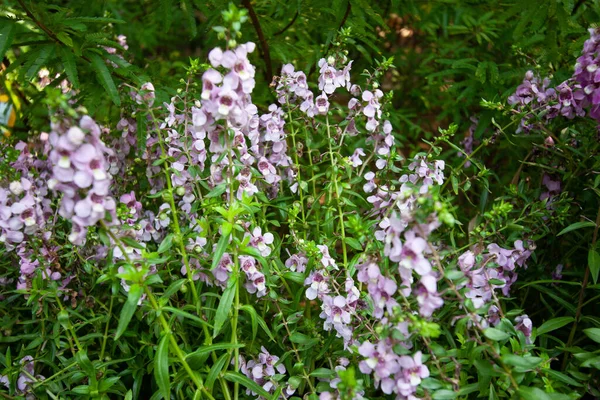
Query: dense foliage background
[[502, 94]]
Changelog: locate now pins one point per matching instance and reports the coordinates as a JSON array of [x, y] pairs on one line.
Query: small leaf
[[593, 333], [104, 78], [495, 334], [236, 377], [135, 293], [7, 35], [553, 324], [577, 225], [161, 367], [225, 305], [594, 264]]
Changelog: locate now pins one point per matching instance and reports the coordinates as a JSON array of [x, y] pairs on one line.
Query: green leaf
[[135, 293], [526, 363], [215, 370], [253, 319], [594, 264], [323, 373], [254, 315], [165, 244], [593, 333], [68, 60], [444, 394], [561, 377], [188, 11], [104, 78], [161, 367], [88, 368], [220, 250], [197, 356], [355, 244], [495, 334], [130, 242], [533, 393], [553, 324], [187, 315], [166, 13], [65, 38], [236, 377], [577, 225], [225, 303], [7, 35], [40, 59]]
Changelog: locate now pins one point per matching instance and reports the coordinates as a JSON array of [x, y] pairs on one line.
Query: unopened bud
[[549, 142]]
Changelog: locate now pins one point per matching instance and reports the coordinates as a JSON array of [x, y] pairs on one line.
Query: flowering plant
[[212, 246]]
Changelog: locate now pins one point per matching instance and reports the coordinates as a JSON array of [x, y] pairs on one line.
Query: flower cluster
[[263, 370], [498, 264], [80, 173], [26, 378], [395, 374]]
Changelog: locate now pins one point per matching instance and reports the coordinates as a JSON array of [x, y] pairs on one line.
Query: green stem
[[337, 194], [586, 278], [112, 298], [299, 177]]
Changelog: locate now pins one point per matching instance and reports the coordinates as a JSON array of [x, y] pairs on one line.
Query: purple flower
[[524, 325], [297, 262], [326, 259]]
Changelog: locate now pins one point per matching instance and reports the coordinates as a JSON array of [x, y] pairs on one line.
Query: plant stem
[[337, 194], [586, 278]]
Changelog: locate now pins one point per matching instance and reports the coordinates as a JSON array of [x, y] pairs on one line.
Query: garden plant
[[299, 200]]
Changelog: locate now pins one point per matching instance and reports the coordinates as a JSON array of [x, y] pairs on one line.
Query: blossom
[[297, 262]]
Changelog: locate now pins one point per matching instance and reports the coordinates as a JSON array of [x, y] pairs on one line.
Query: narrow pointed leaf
[[135, 293], [161, 367], [104, 78]]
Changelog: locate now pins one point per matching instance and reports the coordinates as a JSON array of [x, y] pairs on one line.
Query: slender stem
[[112, 298], [337, 194], [299, 176], [163, 322], [586, 278]]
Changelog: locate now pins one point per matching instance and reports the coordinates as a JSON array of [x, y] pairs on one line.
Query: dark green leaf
[[577, 225], [68, 59], [135, 293], [236, 377], [225, 303], [495, 334], [161, 367], [7, 35], [593, 333], [196, 356], [594, 264], [553, 324], [104, 78]]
